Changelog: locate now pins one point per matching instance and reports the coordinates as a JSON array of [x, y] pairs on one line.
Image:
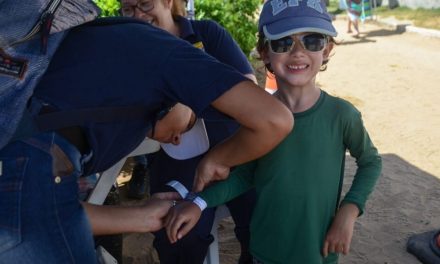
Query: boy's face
[[297, 59]]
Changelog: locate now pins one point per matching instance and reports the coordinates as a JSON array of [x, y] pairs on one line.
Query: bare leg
[[349, 26], [356, 27]]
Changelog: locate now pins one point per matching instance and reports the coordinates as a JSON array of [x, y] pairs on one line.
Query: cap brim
[[192, 143], [294, 25]]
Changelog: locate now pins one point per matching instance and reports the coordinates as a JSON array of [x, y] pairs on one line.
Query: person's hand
[[181, 219], [338, 238], [207, 172], [156, 209]]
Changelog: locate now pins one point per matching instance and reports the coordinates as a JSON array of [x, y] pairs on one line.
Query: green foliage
[[108, 7], [420, 17], [239, 17]]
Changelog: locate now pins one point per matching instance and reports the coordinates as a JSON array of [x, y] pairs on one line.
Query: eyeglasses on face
[[311, 42], [129, 10], [159, 116]]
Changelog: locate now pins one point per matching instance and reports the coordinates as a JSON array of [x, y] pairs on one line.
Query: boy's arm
[[357, 140], [184, 216], [368, 160]]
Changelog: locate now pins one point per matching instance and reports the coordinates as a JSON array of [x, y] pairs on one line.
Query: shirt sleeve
[[239, 181], [220, 44], [369, 162], [196, 78]]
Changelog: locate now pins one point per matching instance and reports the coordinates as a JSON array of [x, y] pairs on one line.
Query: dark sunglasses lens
[[314, 42], [281, 45]]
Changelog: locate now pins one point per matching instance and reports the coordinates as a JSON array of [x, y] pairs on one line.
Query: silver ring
[[174, 203]]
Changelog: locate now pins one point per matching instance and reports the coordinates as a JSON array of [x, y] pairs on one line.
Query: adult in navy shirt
[[209, 36], [106, 86]]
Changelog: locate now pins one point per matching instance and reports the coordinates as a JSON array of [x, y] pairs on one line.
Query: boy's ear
[[264, 57]]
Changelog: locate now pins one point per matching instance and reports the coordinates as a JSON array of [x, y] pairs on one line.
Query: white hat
[[192, 143]]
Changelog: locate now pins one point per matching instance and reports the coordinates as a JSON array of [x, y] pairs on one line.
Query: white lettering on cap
[[279, 5], [315, 4]]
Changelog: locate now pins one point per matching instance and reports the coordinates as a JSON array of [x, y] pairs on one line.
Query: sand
[[394, 80]]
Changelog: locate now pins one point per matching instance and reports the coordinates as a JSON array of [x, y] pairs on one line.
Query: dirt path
[[394, 80]]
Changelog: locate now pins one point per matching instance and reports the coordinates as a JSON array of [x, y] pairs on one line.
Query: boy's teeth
[[296, 67]]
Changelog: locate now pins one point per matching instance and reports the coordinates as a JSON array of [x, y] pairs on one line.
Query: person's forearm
[[264, 123], [107, 220]]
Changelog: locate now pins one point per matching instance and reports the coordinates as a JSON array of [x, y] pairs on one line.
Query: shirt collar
[[186, 28]]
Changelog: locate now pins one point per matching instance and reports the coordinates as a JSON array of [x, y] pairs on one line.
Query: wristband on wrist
[[182, 190], [193, 197], [186, 195]]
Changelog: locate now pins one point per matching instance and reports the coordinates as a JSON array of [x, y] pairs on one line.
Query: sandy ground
[[394, 80]]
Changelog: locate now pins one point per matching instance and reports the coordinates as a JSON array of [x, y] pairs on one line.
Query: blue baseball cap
[[281, 18]]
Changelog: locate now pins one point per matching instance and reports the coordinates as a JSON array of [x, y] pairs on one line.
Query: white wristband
[[185, 194], [200, 203], [182, 190]]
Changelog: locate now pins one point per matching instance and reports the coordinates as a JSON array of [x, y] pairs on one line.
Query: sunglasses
[[144, 6], [159, 116], [311, 42]]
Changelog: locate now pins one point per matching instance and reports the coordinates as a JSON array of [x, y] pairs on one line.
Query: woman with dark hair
[[217, 42]]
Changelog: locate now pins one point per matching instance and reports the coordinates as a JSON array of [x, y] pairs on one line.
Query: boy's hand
[[181, 219], [207, 172], [339, 236]]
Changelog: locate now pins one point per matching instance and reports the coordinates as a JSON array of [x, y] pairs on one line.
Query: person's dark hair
[[262, 46]]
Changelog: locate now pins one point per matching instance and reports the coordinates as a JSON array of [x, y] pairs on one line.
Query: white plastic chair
[[212, 257], [108, 178]]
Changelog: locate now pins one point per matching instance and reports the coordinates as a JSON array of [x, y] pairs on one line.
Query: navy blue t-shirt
[[129, 64], [209, 36]]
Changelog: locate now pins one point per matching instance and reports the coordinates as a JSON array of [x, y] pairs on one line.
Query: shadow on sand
[[406, 201], [366, 37]]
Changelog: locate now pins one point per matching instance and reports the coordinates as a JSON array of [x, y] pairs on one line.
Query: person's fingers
[[325, 249], [168, 227], [175, 228], [185, 229], [346, 249], [167, 219], [339, 248], [199, 184], [331, 248]]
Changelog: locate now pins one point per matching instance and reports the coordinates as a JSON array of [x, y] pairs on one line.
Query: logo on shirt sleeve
[[13, 67], [199, 45]]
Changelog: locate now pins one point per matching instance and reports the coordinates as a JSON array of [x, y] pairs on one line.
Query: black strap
[[68, 118]]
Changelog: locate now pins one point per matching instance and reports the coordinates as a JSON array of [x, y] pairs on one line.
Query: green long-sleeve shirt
[[298, 183]]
